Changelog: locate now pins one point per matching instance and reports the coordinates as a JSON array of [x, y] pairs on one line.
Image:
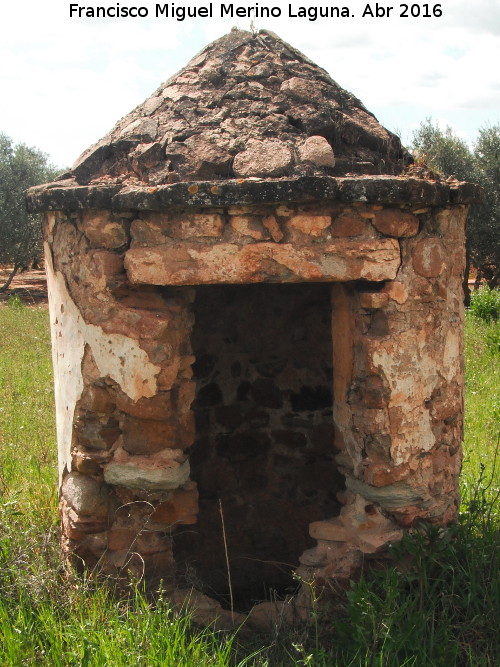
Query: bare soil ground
[[29, 286]]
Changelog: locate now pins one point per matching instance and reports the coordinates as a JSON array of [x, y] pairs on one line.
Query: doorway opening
[[263, 456]]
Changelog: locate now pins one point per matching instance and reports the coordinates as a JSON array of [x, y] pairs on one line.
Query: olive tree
[[485, 234], [446, 153], [20, 236]]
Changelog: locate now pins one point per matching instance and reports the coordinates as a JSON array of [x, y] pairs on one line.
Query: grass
[[443, 608], [27, 428]]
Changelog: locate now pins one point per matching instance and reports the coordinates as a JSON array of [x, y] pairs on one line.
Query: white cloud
[[481, 16]]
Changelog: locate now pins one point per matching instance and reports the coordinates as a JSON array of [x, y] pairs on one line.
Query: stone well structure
[[256, 312]]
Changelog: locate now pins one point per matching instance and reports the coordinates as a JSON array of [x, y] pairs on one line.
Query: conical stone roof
[[248, 105]]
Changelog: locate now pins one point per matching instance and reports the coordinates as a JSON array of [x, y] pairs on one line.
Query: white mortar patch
[[411, 385], [67, 353], [116, 356], [124, 361]]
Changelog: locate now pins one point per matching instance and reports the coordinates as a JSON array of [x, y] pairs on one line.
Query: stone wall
[[123, 307], [398, 398], [248, 244]]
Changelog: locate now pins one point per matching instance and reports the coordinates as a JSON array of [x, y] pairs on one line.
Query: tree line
[[446, 153], [20, 233], [441, 150]]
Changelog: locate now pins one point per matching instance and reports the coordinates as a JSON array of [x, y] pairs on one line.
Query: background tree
[[446, 153], [485, 235], [20, 235]]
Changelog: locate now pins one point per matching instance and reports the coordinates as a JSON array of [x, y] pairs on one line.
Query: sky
[[66, 80]]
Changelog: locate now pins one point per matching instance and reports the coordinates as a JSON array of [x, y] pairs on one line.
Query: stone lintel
[[184, 263], [370, 189]]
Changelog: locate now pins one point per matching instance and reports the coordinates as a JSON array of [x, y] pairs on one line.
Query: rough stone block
[[206, 611], [230, 416], [105, 263], [396, 291], [169, 373], [390, 497], [290, 439], [359, 526], [382, 474], [149, 231], [266, 393], [267, 158], [146, 436], [185, 393], [332, 530], [122, 539], [97, 399], [88, 463], [186, 431], [159, 407], [394, 222], [248, 225], [87, 525], [145, 156], [299, 88], [103, 229], [318, 151], [152, 542], [180, 509], [348, 224], [181, 264], [270, 616], [271, 224], [95, 433], [312, 225], [70, 529], [143, 298], [428, 257], [191, 225], [446, 222], [166, 470], [85, 494]]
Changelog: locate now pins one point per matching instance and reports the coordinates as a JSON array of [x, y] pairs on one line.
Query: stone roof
[[248, 105], [249, 119]]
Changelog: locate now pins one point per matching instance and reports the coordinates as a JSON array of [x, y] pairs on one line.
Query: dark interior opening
[[264, 436]]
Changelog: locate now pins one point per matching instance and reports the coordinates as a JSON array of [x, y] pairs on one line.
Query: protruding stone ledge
[[182, 263], [57, 197], [375, 189]]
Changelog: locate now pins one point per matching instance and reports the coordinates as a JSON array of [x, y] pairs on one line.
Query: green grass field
[[444, 609]]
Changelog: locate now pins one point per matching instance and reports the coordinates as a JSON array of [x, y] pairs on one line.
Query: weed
[[14, 301], [492, 338], [485, 304]]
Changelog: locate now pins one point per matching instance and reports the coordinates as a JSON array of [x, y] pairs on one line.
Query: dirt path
[[30, 287]]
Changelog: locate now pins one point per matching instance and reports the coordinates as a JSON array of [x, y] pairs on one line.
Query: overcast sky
[[66, 81]]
